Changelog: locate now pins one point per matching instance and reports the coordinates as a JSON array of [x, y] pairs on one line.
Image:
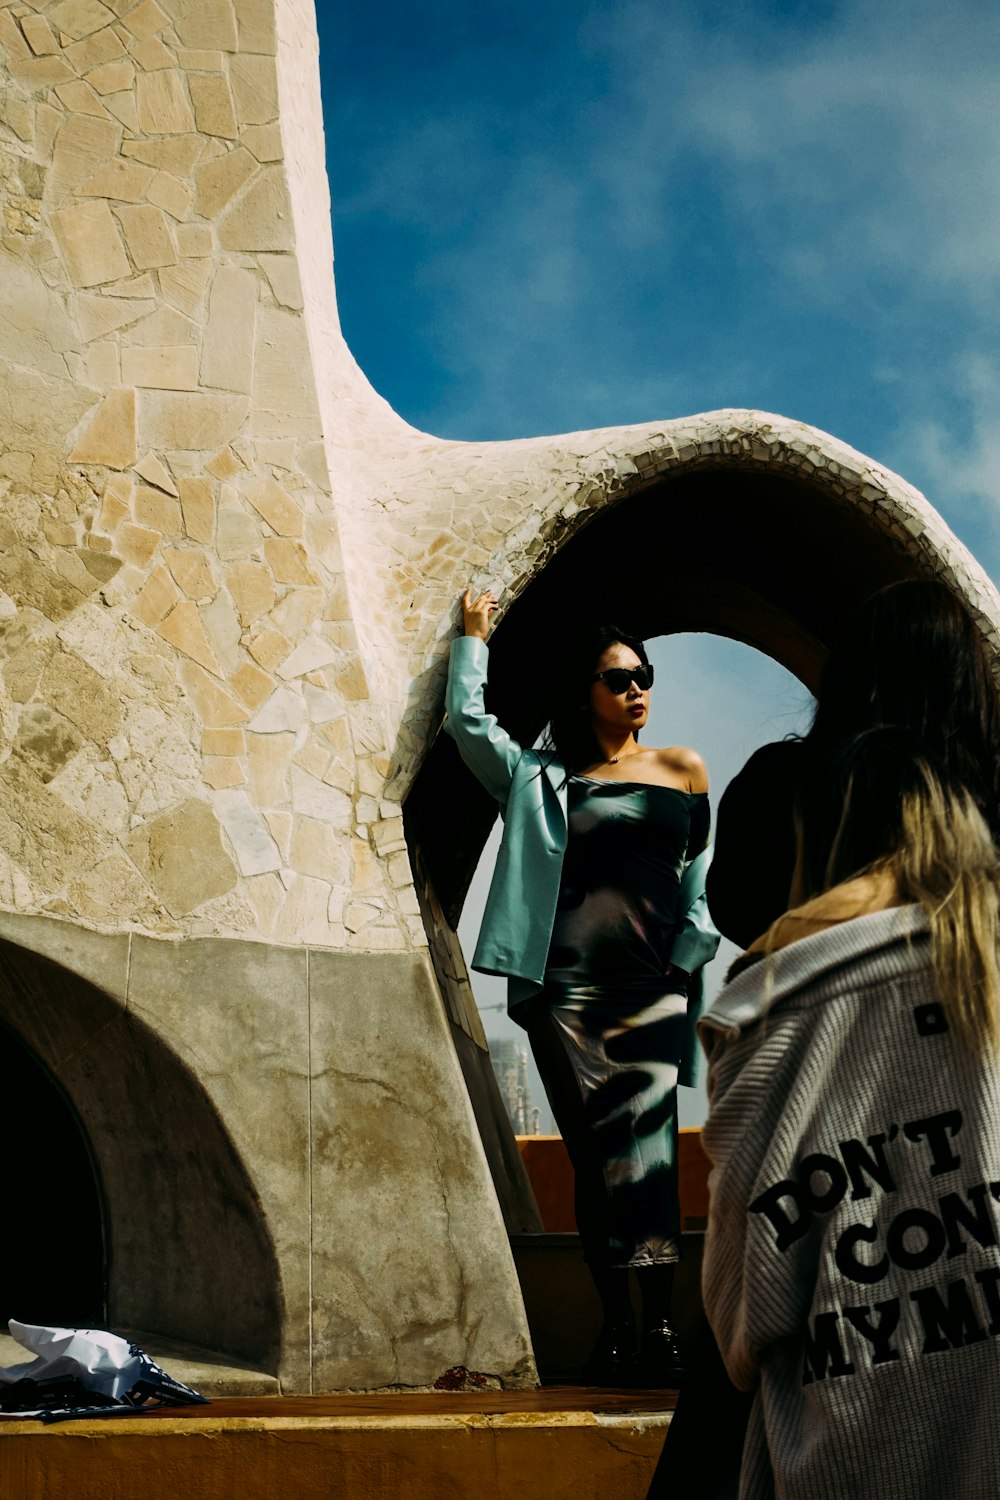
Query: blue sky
[[561, 215]]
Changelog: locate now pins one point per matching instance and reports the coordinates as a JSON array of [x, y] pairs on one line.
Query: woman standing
[[597, 917]]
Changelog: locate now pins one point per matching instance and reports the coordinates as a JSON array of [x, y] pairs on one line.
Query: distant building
[[510, 1067]]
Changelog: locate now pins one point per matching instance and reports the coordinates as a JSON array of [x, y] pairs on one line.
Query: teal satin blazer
[[531, 790]]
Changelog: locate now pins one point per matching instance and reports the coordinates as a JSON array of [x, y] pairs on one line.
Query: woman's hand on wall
[[476, 613]]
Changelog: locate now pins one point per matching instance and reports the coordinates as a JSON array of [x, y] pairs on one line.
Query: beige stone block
[[113, 887], [45, 741], [147, 234], [269, 757], [123, 180], [257, 26], [200, 60], [198, 508], [198, 422], [184, 286], [34, 328], [151, 469], [160, 512], [194, 240], [210, 24], [275, 505], [170, 194], [22, 671], [269, 648], [184, 629], [182, 857], [109, 436], [267, 896], [214, 111], [113, 77], [137, 544], [228, 351], [156, 598], [12, 41], [82, 144], [102, 365], [284, 381], [303, 918], [280, 825], [192, 572], [314, 757], [252, 589], [98, 316], [217, 182], [171, 369], [283, 278], [139, 288], [38, 72], [21, 116], [226, 742], [255, 88], [78, 18], [225, 464], [163, 104], [261, 219], [48, 840], [151, 55], [90, 243], [316, 850], [40, 36], [80, 98], [264, 141], [176, 155], [288, 561], [238, 531], [146, 19], [220, 772], [351, 681], [122, 106], [223, 630], [95, 50], [251, 684], [388, 837], [116, 502], [214, 704], [297, 612], [366, 871], [80, 694]]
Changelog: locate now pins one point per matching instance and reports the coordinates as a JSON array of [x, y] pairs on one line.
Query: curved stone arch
[[182, 1216], [781, 533], [780, 530]]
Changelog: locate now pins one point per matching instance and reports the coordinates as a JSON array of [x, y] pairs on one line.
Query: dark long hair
[[570, 736], [912, 658]]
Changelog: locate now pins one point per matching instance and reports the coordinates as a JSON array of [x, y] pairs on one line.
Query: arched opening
[[774, 560], [52, 1257], [174, 1241]]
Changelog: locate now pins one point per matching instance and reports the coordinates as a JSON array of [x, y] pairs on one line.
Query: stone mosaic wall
[[190, 743]]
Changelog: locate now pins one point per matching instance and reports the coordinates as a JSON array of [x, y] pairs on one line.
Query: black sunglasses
[[618, 679]]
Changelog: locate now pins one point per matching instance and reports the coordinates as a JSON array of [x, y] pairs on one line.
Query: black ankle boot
[[612, 1359], [660, 1365]]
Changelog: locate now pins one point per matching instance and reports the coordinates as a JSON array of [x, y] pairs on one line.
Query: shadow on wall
[[127, 1201]]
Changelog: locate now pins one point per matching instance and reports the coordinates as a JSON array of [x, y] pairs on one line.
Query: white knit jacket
[[852, 1269]]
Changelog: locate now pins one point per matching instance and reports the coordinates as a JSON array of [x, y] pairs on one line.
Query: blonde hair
[[937, 845]]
